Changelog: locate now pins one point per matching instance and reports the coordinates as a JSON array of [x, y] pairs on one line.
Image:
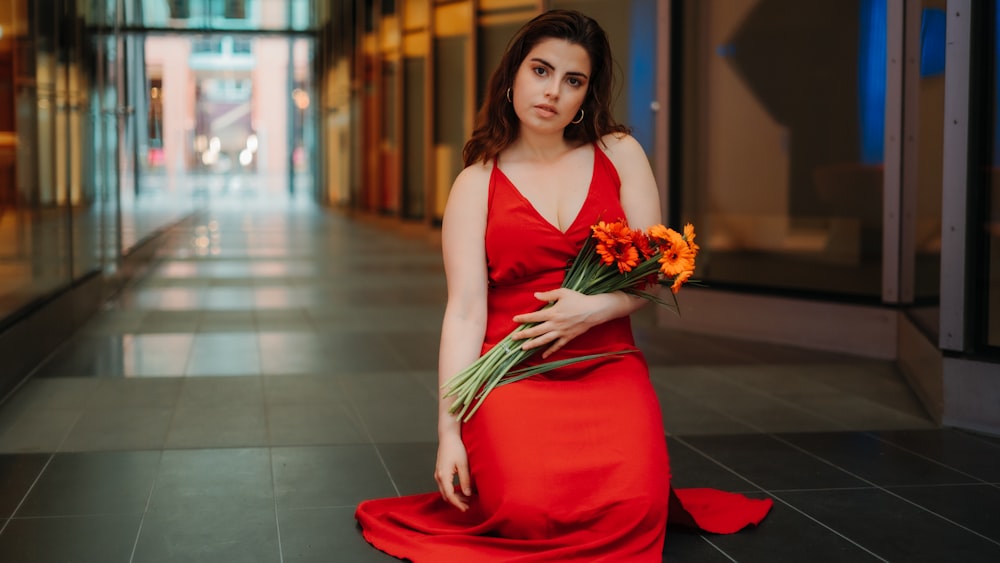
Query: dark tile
[[83, 539], [323, 476], [314, 535], [76, 484], [784, 535], [211, 533], [976, 507], [386, 387], [873, 460], [400, 420], [690, 469], [956, 449], [17, 474], [419, 350], [225, 477], [685, 545], [771, 464], [87, 356], [411, 466], [892, 528]]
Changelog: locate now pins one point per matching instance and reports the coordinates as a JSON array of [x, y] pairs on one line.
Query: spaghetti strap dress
[[570, 465]]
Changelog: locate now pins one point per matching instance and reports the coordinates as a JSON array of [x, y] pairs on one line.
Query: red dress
[[570, 465]]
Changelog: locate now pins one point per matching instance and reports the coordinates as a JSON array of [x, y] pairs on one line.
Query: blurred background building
[[839, 157]]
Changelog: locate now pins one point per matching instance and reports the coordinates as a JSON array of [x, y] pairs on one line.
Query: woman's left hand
[[570, 314]]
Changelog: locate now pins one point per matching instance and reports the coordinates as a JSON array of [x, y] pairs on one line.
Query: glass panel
[[415, 130], [631, 27], [783, 118], [450, 109], [929, 165], [993, 182], [225, 15]]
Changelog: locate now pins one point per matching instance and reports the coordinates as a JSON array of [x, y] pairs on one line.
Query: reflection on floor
[[278, 366]]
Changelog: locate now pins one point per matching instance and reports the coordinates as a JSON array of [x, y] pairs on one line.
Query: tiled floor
[[278, 366]]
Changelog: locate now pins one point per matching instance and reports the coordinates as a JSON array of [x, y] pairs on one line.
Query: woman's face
[[550, 85]]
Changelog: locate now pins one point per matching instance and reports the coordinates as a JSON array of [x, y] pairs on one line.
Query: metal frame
[[892, 179], [955, 177]]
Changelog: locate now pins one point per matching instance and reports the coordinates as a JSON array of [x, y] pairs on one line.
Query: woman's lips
[[546, 109]]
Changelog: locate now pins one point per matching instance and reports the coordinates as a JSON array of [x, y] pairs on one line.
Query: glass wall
[[102, 121], [631, 29], [783, 116], [989, 178], [453, 114], [61, 113]]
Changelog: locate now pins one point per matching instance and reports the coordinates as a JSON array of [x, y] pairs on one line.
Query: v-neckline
[[538, 214]]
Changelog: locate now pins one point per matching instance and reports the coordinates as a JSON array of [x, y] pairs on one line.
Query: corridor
[[276, 365]]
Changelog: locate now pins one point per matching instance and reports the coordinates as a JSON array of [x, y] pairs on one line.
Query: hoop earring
[[508, 96], [579, 119]]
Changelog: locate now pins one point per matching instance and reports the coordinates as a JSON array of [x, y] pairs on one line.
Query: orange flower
[[689, 237], [680, 279], [660, 234], [677, 255], [643, 244], [615, 245]]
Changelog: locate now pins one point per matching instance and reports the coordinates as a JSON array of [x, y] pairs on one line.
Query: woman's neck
[[540, 147]]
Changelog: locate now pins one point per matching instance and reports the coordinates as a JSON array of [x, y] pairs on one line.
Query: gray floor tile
[[209, 534], [875, 461], [873, 519], [18, 473], [154, 392], [40, 430], [81, 484], [312, 535], [210, 392], [314, 424], [326, 476], [233, 478], [119, 428], [770, 463], [401, 421], [411, 466], [224, 426], [106, 538]]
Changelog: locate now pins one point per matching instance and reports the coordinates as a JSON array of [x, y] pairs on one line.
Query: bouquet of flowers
[[614, 258]]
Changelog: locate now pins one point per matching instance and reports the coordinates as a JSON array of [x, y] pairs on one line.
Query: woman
[[570, 465]]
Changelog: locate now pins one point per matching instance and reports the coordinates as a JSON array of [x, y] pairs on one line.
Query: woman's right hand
[[453, 461]]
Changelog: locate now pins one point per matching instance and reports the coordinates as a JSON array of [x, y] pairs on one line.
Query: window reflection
[[993, 178], [783, 119]]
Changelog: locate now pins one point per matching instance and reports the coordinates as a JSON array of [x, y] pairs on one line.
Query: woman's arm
[[463, 233], [574, 313]]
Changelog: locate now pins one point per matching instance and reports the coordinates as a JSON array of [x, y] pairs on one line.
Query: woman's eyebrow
[[549, 65]]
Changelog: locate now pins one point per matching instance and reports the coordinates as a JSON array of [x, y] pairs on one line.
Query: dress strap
[[492, 186], [609, 167]]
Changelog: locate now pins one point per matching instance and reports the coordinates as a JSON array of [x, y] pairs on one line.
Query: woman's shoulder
[[473, 176], [624, 152], [620, 145]]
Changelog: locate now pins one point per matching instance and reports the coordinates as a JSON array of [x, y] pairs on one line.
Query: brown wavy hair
[[497, 124]]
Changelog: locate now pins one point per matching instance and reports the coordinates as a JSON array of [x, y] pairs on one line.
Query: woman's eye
[[540, 70], [574, 81]]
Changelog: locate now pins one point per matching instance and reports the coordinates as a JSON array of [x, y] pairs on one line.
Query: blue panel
[[996, 83], [641, 71], [932, 24], [871, 80]]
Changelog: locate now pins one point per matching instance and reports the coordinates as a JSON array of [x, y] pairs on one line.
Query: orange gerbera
[[659, 234], [689, 237], [680, 279], [677, 255], [643, 244], [614, 245]]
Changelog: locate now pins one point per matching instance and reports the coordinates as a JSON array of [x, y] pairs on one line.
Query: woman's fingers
[[446, 485]]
